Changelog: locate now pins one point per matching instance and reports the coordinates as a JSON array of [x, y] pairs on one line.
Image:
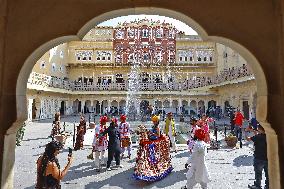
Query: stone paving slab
[[229, 168]]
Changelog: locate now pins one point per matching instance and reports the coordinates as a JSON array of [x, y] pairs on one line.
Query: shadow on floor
[[243, 160], [124, 180]]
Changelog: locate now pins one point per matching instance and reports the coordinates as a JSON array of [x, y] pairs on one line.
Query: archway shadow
[[75, 172]]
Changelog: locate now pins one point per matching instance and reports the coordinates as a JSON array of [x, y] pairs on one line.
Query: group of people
[[260, 146], [114, 138], [153, 161]]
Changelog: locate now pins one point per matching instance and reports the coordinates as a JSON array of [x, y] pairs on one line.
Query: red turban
[[199, 134], [103, 119], [122, 117]]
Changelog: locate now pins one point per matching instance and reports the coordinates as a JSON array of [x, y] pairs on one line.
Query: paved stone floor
[[229, 168]]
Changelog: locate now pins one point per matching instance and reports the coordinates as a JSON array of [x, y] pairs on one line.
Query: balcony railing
[[55, 82]]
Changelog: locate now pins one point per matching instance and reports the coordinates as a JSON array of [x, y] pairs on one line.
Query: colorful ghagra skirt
[[153, 160]]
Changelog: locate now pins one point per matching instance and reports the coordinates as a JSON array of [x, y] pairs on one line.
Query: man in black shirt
[[113, 144], [260, 157]]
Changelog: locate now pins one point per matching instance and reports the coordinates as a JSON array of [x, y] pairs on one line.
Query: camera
[[70, 152]]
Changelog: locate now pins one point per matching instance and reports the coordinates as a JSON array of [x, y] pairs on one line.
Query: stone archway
[[7, 165], [193, 107]]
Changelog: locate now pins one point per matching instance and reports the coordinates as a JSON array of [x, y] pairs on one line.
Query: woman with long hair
[[49, 174]]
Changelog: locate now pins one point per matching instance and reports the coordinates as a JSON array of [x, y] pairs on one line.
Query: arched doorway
[[144, 107], [87, 107], [96, 106], [175, 106], [158, 107], [227, 107], [246, 108], [259, 73], [114, 108], [122, 107], [193, 108], [211, 104], [167, 106], [104, 107], [76, 106], [62, 108], [201, 107], [36, 104]]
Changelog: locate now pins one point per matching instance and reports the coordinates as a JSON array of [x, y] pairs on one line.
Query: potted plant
[[231, 140]]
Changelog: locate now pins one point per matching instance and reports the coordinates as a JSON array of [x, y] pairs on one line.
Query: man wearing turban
[[198, 172], [124, 130]]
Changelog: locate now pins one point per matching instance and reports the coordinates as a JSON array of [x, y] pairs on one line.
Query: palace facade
[[176, 72]]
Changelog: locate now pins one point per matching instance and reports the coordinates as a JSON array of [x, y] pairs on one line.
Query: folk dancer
[[203, 124], [124, 130], [81, 130], [100, 143], [170, 130], [113, 144], [198, 172], [155, 132]]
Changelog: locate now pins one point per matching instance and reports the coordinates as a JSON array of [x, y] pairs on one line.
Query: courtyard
[[228, 167]]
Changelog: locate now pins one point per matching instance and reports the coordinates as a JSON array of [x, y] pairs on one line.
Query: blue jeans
[[259, 165], [238, 132]]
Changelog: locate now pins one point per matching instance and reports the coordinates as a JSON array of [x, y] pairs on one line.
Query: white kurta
[[99, 144], [198, 167]]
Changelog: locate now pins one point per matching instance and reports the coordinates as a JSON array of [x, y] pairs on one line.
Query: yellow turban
[[155, 118]]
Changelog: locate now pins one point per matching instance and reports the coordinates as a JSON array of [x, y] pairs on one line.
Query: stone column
[[205, 105], [100, 110], [138, 107], [251, 112], [108, 105], [92, 105], [179, 106], [83, 103]]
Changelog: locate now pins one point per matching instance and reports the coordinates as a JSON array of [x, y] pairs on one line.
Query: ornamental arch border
[[21, 88]]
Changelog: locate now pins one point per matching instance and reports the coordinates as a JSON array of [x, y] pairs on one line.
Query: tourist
[[155, 132], [100, 143], [198, 172], [49, 174], [124, 130], [170, 130], [113, 144], [239, 118], [81, 131], [260, 161]]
